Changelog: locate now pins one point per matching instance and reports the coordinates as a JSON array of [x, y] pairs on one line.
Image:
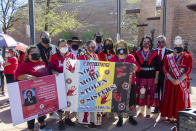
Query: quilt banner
[[97, 86], [34, 98]]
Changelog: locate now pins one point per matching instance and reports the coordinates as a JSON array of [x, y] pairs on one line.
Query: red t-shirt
[[37, 69], [11, 69], [104, 57], [129, 59], [21, 58], [56, 62]]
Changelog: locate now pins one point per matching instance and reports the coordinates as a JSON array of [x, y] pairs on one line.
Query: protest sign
[[34, 98], [97, 86]]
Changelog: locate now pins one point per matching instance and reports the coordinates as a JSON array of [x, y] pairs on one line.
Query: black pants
[[9, 78], [2, 81], [32, 122]]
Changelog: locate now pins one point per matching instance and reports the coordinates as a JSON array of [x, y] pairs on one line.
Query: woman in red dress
[[177, 68], [122, 55], [56, 66], [108, 51], [147, 77], [31, 68]]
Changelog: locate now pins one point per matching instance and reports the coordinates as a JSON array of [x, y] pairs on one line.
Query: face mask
[[64, 50], [35, 56], [108, 47], [7, 55], [92, 49], [46, 40], [98, 39], [75, 47], [146, 45], [121, 51], [178, 49]]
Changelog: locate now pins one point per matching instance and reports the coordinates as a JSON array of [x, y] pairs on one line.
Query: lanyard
[[48, 59]]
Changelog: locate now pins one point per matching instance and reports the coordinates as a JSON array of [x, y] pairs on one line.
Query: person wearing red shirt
[[122, 55], [31, 68], [108, 50], [56, 66], [21, 57], [11, 66], [177, 68], [89, 55]]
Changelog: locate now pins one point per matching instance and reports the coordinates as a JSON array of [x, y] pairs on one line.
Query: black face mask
[[122, 51], [178, 49], [75, 47], [98, 39], [108, 47], [35, 56], [46, 40]]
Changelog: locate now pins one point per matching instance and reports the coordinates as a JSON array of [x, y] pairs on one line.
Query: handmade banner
[[97, 86], [33, 98]]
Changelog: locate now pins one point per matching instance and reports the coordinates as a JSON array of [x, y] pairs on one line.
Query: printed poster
[[96, 86], [34, 98]]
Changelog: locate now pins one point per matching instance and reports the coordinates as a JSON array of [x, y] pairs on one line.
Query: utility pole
[[164, 17], [31, 22], [118, 37]]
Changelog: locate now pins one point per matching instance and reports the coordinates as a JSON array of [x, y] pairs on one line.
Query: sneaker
[[147, 116], [61, 125], [69, 122], [132, 120], [120, 122], [45, 129]]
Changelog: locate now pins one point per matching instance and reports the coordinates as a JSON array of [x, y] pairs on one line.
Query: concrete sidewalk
[[153, 124]]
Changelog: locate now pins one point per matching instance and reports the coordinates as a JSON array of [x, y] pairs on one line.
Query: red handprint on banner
[[117, 96], [120, 71], [71, 91], [70, 67], [104, 98], [92, 70], [85, 119]]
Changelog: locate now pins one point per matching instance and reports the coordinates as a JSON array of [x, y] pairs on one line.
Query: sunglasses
[[161, 41]]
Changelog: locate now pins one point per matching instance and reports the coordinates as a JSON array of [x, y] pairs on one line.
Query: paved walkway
[[153, 124]]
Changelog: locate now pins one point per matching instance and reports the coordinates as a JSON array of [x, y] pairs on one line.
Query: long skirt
[[172, 100], [146, 93]]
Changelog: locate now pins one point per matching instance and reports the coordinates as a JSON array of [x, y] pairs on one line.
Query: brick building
[[180, 20]]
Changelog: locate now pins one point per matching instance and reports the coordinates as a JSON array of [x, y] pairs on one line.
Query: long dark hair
[[104, 44], [28, 51], [146, 37]]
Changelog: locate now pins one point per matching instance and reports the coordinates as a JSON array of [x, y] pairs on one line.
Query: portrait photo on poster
[[29, 97]]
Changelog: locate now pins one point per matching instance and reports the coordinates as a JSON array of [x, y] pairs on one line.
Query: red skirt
[[146, 93], [172, 100]]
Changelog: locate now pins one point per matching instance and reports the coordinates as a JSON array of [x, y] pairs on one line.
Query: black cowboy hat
[[74, 39]]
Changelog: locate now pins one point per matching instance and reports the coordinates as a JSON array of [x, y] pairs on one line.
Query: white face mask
[[64, 50], [7, 55]]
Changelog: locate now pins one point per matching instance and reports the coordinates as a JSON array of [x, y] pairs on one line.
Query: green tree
[[8, 15], [49, 16]]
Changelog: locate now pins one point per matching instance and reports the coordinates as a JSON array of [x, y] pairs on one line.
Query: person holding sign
[[95, 117], [122, 55], [31, 68], [56, 66], [177, 68]]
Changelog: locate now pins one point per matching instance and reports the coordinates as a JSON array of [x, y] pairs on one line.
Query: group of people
[[161, 77]]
